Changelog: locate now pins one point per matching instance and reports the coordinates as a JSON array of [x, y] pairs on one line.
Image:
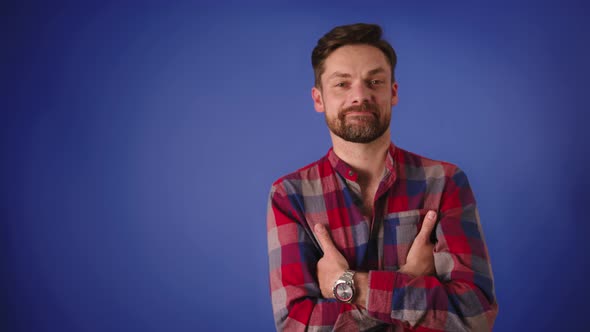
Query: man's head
[[353, 34], [354, 82]]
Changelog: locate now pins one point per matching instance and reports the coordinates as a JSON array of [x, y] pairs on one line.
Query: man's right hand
[[420, 260]]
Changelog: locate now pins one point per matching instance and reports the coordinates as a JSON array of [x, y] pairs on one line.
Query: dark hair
[[360, 33]]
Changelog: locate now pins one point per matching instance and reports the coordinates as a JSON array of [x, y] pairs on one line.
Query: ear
[[394, 98], [318, 102]]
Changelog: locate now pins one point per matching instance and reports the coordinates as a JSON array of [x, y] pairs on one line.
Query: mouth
[[359, 116], [359, 113]]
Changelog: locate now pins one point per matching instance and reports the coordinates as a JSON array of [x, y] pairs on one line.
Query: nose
[[360, 94]]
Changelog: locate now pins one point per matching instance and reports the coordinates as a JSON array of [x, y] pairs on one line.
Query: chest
[[367, 201], [376, 233]]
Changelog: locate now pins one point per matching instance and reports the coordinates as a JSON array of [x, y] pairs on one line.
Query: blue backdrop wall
[[139, 142]]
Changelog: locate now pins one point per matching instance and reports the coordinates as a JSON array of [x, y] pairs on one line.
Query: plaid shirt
[[459, 298]]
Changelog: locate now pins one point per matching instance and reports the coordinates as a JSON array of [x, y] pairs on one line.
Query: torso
[[368, 197]]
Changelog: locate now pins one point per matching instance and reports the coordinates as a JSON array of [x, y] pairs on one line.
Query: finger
[[427, 226], [324, 238]]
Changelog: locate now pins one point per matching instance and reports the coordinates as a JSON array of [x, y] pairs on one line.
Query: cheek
[[333, 103], [386, 100], [335, 96]]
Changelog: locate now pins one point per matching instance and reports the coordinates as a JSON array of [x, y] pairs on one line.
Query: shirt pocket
[[399, 231]]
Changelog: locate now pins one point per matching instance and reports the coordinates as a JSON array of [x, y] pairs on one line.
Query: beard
[[364, 129]]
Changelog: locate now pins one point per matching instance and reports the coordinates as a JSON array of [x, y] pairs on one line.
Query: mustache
[[365, 107]]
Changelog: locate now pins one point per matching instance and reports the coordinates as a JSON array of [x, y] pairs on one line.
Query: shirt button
[[350, 173]]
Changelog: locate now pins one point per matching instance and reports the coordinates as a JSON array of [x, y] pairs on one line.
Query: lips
[[361, 110], [355, 113]]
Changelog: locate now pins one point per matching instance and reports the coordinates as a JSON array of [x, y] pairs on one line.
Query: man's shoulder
[[414, 162], [310, 173]]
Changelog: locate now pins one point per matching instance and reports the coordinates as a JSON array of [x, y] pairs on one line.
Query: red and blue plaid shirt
[[460, 297]]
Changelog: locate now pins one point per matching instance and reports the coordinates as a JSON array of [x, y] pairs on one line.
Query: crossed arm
[[459, 296], [420, 261]]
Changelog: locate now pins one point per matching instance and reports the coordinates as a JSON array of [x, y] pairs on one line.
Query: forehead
[[355, 59]]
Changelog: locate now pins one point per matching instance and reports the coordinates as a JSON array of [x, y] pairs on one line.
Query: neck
[[367, 159]]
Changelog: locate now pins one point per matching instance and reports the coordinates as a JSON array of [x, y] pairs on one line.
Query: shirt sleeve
[[293, 255], [461, 295]]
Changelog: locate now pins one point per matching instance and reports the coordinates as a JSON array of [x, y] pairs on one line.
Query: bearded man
[[371, 236]]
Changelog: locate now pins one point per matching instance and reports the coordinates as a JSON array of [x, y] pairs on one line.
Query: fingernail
[[319, 228], [431, 215]]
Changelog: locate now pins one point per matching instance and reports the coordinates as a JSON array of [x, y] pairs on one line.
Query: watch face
[[343, 292]]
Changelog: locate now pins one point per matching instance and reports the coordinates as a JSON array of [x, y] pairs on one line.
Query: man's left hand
[[332, 265]]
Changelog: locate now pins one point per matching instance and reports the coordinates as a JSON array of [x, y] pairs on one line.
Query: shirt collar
[[348, 173]]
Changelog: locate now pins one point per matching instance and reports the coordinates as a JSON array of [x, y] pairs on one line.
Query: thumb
[[323, 236], [427, 226]]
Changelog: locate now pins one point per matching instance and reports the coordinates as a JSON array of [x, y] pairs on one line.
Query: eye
[[340, 84], [375, 82]]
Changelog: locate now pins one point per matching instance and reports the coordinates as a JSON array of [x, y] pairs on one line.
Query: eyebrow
[[377, 71], [339, 74], [371, 72]]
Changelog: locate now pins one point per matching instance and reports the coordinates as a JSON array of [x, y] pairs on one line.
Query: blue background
[[139, 142]]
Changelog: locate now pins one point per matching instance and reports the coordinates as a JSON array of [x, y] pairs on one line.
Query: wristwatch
[[344, 287]]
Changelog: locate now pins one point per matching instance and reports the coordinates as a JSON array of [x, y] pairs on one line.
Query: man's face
[[357, 93]]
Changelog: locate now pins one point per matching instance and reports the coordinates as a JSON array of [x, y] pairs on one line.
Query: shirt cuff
[[381, 288]]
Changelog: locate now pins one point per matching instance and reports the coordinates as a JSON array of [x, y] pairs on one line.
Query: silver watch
[[344, 287]]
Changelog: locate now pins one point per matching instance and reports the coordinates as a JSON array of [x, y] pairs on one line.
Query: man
[[373, 237]]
